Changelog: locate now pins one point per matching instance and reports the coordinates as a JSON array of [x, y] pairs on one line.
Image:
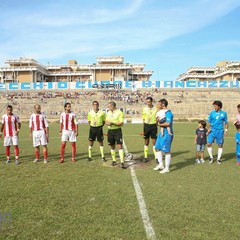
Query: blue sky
[[168, 36]]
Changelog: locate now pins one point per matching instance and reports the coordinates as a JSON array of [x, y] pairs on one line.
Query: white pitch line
[[142, 206]]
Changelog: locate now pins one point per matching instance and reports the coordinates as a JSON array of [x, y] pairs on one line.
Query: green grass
[[91, 200]]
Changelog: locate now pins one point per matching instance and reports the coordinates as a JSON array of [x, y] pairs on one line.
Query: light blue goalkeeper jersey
[[217, 120]]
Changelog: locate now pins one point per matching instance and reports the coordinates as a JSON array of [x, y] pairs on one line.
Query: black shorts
[[150, 130], [96, 132], [115, 137]]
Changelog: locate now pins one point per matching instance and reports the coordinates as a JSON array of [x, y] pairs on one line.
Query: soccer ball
[[129, 156]]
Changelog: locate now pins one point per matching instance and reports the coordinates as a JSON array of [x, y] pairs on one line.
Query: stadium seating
[[185, 104]]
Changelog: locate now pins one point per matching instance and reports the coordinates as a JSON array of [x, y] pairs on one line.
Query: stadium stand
[[186, 104]]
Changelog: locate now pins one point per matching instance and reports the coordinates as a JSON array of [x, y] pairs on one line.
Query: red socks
[[62, 150], [73, 150], [45, 155], [8, 151], [37, 154]]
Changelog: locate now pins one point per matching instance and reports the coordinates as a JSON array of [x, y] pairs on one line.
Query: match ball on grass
[[129, 156]]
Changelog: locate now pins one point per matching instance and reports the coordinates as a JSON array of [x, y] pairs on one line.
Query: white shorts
[[69, 135], [8, 141], [39, 138]]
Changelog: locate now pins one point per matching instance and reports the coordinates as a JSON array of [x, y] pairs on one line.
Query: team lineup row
[[153, 116]]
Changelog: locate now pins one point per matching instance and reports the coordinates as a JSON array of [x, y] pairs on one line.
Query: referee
[[96, 120], [114, 121], [149, 127]]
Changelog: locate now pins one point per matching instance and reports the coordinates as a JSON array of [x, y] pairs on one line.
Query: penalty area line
[[142, 206]]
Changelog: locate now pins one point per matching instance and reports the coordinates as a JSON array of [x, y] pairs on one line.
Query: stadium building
[[106, 68], [224, 70]]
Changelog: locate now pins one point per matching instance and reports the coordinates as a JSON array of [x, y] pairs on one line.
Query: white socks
[[160, 160], [210, 152], [159, 157], [220, 151], [167, 161]]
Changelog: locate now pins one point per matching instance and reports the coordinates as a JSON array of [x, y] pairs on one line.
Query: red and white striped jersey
[[68, 121], [10, 124], [38, 122]]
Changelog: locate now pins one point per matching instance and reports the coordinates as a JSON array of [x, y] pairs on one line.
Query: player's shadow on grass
[[25, 158], [51, 157], [185, 162], [227, 157], [177, 165], [175, 154], [137, 152]]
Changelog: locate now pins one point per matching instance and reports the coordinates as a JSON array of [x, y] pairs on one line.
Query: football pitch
[[92, 200]]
